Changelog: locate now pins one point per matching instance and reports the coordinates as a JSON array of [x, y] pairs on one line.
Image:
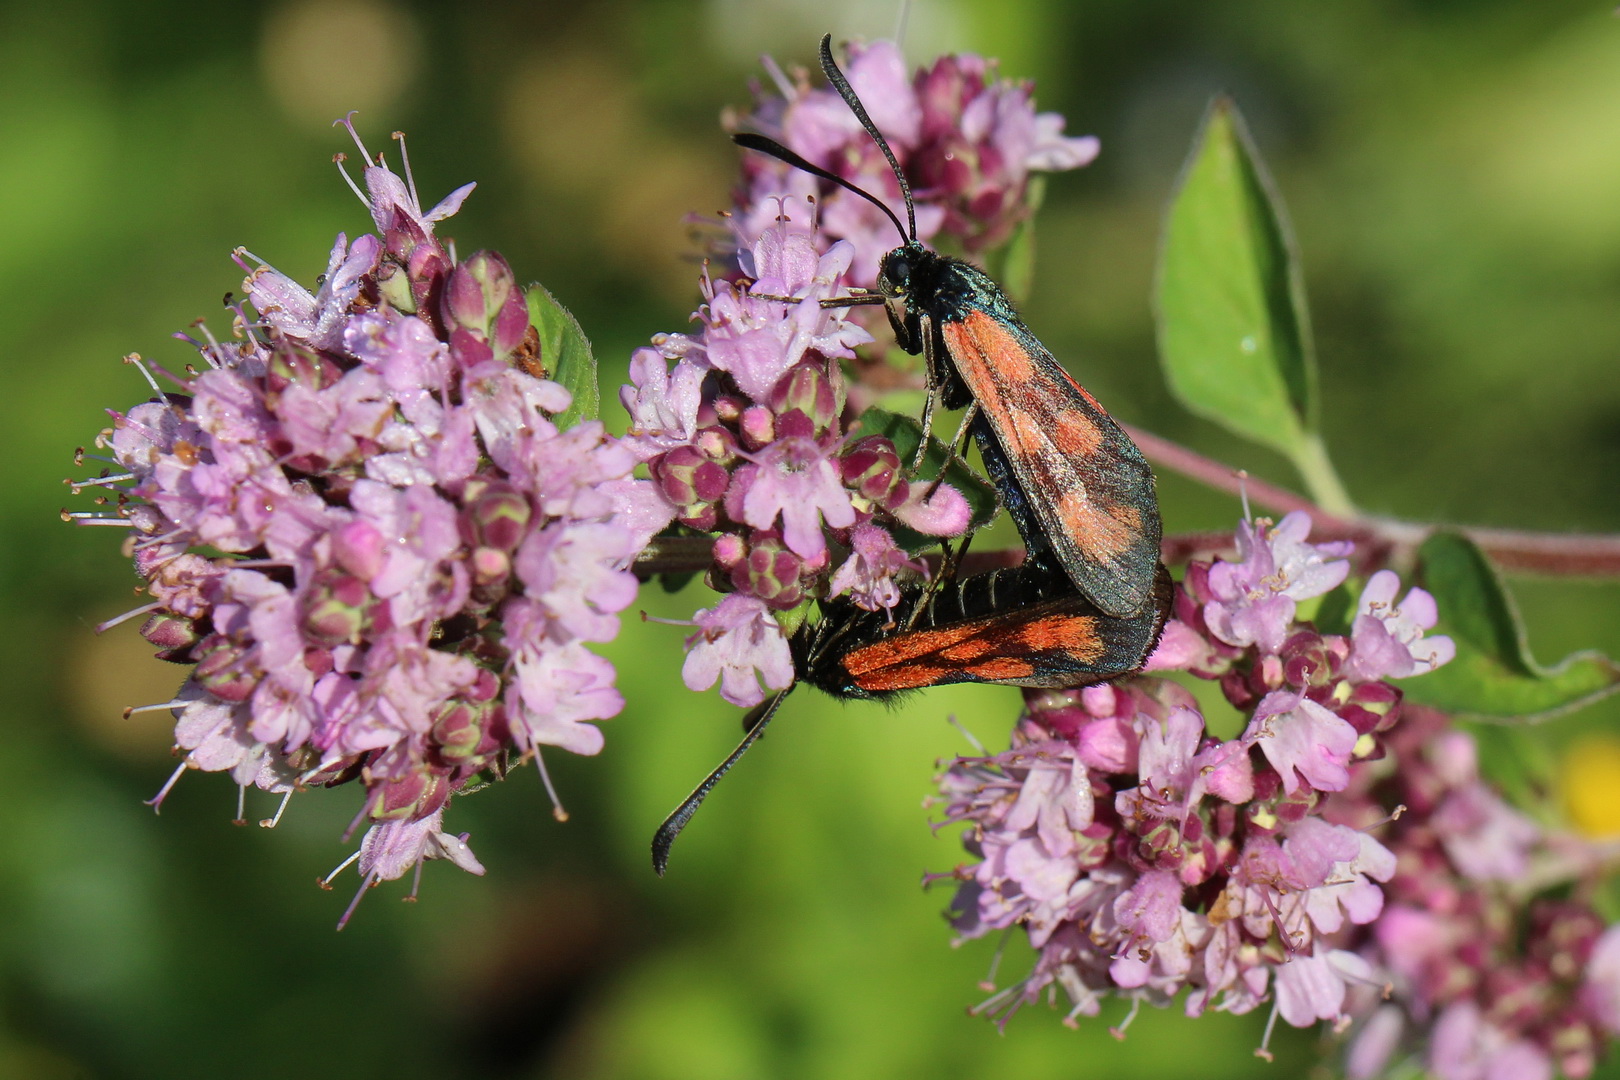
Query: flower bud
[[357, 546], [172, 634], [793, 424], [1371, 707], [221, 669], [1308, 661], [770, 572], [717, 444], [408, 797], [495, 514], [485, 688], [758, 426], [871, 468], [704, 517], [808, 389], [729, 550], [457, 731], [728, 409], [688, 479], [427, 268], [481, 298], [335, 606]]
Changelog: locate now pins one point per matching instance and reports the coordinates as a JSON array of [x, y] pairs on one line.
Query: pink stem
[[1563, 554], [1378, 539]]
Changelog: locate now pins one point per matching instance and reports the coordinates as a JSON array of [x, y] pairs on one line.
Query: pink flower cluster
[[1144, 856], [966, 140], [1497, 976], [747, 437], [362, 527]]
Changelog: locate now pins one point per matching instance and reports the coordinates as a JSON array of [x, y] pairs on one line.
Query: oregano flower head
[[361, 526]]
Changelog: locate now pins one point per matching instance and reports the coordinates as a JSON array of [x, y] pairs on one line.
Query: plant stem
[[1561, 554], [1321, 480], [1378, 540]]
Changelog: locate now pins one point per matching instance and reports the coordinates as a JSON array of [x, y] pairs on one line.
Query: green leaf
[[905, 432], [1233, 331], [566, 354], [1494, 674]]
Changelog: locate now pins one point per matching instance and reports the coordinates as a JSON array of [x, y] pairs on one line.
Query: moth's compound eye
[[895, 275]]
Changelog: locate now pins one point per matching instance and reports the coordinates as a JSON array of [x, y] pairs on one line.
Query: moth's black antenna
[[847, 92], [664, 838], [750, 141]]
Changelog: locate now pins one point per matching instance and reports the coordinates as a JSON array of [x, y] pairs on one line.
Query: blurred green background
[[1453, 170]]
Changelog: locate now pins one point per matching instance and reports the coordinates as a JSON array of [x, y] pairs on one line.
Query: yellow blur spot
[[322, 58], [1592, 786]]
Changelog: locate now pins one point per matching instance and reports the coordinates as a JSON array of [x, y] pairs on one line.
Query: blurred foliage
[[1450, 169]]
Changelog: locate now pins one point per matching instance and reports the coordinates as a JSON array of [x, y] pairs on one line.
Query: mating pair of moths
[[1091, 597]]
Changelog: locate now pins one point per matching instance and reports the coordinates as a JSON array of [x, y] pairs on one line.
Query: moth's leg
[[957, 448], [925, 332], [906, 329], [947, 570]]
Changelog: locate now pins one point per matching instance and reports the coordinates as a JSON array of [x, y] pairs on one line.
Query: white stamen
[[272, 822], [120, 523], [76, 486], [1394, 815], [784, 85], [989, 982], [338, 160], [972, 739], [133, 709], [900, 21], [349, 911], [365, 810], [135, 361], [416, 879], [410, 181], [1263, 1051], [326, 882], [128, 615], [156, 801], [1125, 1024], [557, 810]]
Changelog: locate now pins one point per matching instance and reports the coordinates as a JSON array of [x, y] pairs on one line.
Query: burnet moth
[[1025, 626], [1077, 488]]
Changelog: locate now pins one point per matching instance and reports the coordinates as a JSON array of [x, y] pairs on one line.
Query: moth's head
[[898, 268]]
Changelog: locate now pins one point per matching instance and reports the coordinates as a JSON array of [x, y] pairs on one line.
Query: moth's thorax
[[937, 284]]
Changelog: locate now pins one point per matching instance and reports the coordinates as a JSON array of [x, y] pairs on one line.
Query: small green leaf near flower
[[1494, 674], [566, 354]]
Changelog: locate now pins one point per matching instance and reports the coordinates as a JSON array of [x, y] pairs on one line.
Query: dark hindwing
[[1035, 631], [1090, 490]]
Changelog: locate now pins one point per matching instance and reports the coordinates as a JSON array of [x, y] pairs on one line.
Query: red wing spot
[[1107, 532], [1075, 434], [904, 649], [981, 337], [906, 677], [970, 649], [1002, 669], [1073, 634]]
